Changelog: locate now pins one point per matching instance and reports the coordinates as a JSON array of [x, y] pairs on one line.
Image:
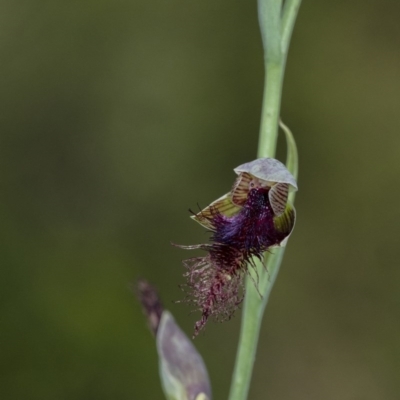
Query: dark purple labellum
[[252, 230]]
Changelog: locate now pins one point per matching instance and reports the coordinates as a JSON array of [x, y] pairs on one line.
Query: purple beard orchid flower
[[252, 218]]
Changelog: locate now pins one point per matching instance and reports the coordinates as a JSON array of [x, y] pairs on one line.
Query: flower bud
[[182, 370]]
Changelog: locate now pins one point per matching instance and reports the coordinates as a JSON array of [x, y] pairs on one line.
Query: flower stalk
[[276, 24]]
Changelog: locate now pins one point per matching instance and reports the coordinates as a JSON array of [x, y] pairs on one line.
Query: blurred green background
[[118, 116]]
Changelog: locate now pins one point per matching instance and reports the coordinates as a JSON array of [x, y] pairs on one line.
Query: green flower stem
[[276, 28], [270, 110], [253, 310]]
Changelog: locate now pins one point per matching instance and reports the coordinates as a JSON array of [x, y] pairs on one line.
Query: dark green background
[[118, 116]]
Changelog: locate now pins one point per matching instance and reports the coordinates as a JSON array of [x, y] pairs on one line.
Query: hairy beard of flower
[[215, 282]]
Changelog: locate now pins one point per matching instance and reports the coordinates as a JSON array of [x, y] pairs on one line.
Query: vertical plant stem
[[271, 109], [276, 28], [253, 310]]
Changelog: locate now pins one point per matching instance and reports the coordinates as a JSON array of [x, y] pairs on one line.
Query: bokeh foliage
[[116, 117]]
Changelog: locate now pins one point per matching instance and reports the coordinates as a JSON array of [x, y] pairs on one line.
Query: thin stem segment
[[270, 109], [276, 25]]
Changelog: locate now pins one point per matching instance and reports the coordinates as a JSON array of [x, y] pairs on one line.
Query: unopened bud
[[182, 370]]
